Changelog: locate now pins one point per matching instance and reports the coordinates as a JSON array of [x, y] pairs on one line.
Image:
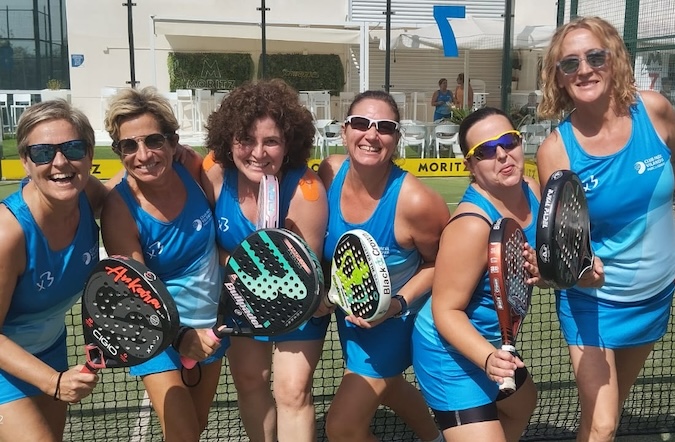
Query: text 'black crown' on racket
[[564, 251], [128, 316]]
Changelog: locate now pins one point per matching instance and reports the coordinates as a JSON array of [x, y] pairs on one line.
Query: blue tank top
[[481, 309], [402, 263], [443, 109], [629, 196], [233, 226], [182, 252], [52, 281]]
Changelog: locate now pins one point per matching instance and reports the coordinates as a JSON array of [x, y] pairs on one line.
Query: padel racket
[[268, 203], [272, 286], [128, 315], [564, 251], [360, 283], [508, 284]]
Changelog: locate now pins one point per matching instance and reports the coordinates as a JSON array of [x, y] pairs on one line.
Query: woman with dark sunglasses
[[456, 339], [619, 142], [158, 214], [48, 247], [366, 190]]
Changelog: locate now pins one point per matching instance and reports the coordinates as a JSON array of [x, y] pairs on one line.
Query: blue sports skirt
[[585, 320], [169, 360], [13, 388]]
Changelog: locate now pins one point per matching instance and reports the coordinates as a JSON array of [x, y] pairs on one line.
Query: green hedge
[[313, 72], [208, 70]]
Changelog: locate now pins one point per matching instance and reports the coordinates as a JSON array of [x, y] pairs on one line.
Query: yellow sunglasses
[[487, 149]]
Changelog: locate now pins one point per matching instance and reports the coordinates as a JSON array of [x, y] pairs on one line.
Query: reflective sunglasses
[[128, 146], [486, 150], [596, 58], [384, 127], [73, 150]]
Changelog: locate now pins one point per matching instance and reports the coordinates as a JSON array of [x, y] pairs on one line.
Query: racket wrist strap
[[404, 306], [179, 337]]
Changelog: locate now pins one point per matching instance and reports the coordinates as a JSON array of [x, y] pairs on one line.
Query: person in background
[[459, 93], [619, 142], [442, 101], [262, 129], [365, 187], [159, 215], [48, 246], [456, 338]]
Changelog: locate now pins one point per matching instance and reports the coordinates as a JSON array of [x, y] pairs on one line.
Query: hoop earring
[[229, 156], [286, 159]]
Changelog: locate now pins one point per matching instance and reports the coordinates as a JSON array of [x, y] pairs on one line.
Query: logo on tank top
[[46, 281], [651, 163], [90, 255], [203, 220], [223, 224], [590, 184], [155, 250]]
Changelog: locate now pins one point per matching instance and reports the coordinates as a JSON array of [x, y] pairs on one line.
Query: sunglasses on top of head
[[384, 127], [128, 146], [486, 150], [596, 59], [73, 150]]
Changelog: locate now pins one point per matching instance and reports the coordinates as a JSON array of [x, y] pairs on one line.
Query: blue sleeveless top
[[402, 263], [182, 252], [481, 309], [444, 109], [52, 281], [233, 226], [630, 195]]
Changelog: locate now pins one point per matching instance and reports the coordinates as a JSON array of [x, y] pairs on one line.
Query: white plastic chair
[[420, 100], [186, 101], [4, 114], [346, 99], [533, 135], [20, 102], [218, 97], [445, 135], [332, 136], [172, 97], [413, 135], [320, 101], [319, 126], [204, 105], [304, 100]]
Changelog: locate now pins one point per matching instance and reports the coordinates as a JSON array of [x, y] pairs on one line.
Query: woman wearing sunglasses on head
[[48, 247], [619, 142], [159, 215], [262, 129], [366, 190], [456, 339]]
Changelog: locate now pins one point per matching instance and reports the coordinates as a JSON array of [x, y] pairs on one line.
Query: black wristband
[[179, 337], [57, 390], [404, 306]]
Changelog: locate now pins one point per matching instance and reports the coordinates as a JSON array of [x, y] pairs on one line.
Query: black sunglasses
[[596, 58], [128, 146], [73, 150], [384, 127], [486, 150]]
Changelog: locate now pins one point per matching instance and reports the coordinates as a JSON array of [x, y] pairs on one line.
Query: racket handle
[[190, 363], [509, 384], [88, 369]]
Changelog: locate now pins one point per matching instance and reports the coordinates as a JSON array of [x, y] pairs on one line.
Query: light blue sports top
[[52, 281], [402, 263], [630, 197], [443, 110], [481, 308], [233, 226], [182, 252]]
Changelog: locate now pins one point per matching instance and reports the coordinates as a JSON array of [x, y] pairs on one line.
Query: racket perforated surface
[[272, 286], [564, 251], [360, 282], [508, 284], [128, 316]]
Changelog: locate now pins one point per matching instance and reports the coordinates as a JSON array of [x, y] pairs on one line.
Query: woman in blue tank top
[[619, 142], [456, 340], [442, 100], [48, 247], [159, 215], [366, 190], [262, 129]]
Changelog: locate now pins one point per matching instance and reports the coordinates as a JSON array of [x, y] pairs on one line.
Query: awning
[[338, 33]]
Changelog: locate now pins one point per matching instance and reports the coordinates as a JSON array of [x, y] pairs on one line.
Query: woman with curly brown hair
[[261, 129]]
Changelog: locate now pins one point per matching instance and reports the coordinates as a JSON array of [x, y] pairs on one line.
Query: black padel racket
[[564, 250], [128, 315], [268, 203], [272, 286], [360, 283], [508, 284]]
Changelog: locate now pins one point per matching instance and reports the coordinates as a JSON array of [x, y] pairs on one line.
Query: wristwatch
[[404, 306]]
